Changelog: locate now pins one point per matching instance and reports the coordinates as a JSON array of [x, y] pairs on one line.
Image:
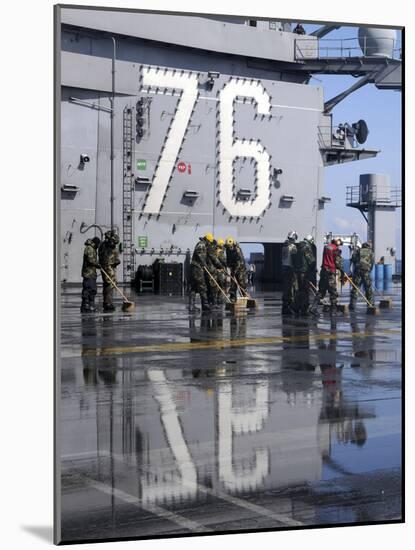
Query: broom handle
[[243, 292], [112, 282], [358, 290], [313, 287], [217, 284]]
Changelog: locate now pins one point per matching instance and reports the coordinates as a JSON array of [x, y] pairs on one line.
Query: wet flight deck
[[174, 423]]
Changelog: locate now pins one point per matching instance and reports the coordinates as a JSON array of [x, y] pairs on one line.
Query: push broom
[[373, 310], [217, 284], [250, 302], [127, 305], [343, 308]]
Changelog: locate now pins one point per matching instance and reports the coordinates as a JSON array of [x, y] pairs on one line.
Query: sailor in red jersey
[[332, 261]]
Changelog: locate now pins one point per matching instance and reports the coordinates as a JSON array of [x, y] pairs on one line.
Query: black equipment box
[[168, 278]]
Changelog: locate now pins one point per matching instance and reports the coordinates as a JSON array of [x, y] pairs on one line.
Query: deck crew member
[[289, 282], [222, 272], [305, 268], [362, 261], [89, 275], [215, 267], [198, 275], [236, 264], [299, 29], [109, 260], [332, 261]]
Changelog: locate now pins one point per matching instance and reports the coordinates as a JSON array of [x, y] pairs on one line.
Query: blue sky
[[381, 109]]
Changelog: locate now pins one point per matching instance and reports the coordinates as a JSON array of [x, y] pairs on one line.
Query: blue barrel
[[372, 273], [379, 285], [387, 271], [379, 272], [346, 265], [387, 284]]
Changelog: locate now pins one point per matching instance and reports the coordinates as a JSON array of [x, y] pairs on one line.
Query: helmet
[[209, 237], [112, 237], [96, 241], [221, 242], [230, 241], [309, 239], [366, 245], [292, 236]]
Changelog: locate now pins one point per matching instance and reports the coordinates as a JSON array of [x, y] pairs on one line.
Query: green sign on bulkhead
[[141, 164], [143, 241]]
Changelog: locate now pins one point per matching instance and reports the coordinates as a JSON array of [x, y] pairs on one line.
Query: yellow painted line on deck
[[227, 343]]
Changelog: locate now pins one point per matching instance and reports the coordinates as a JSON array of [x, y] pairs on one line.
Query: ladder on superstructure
[[128, 253]]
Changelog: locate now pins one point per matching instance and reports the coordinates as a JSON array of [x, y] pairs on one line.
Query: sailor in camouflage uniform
[[222, 272], [109, 259], [198, 275], [89, 275], [305, 268], [236, 262], [215, 267], [289, 280], [362, 261]]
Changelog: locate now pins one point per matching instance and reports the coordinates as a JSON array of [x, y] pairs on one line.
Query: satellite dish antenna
[[361, 131]]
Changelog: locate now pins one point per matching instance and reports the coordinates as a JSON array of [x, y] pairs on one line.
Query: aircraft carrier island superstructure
[[173, 126]]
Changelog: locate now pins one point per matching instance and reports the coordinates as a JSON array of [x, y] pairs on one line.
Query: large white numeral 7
[[231, 148], [187, 82]]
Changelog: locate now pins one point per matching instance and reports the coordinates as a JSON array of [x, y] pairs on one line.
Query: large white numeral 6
[[187, 82], [230, 148]]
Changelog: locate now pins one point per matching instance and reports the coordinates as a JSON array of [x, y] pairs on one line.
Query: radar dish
[[362, 131]]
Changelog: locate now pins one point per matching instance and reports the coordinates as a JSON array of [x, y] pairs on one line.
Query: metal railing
[[376, 195], [353, 194], [312, 48]]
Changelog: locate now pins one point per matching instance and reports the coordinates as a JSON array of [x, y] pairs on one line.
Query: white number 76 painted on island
[[229, 147]]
